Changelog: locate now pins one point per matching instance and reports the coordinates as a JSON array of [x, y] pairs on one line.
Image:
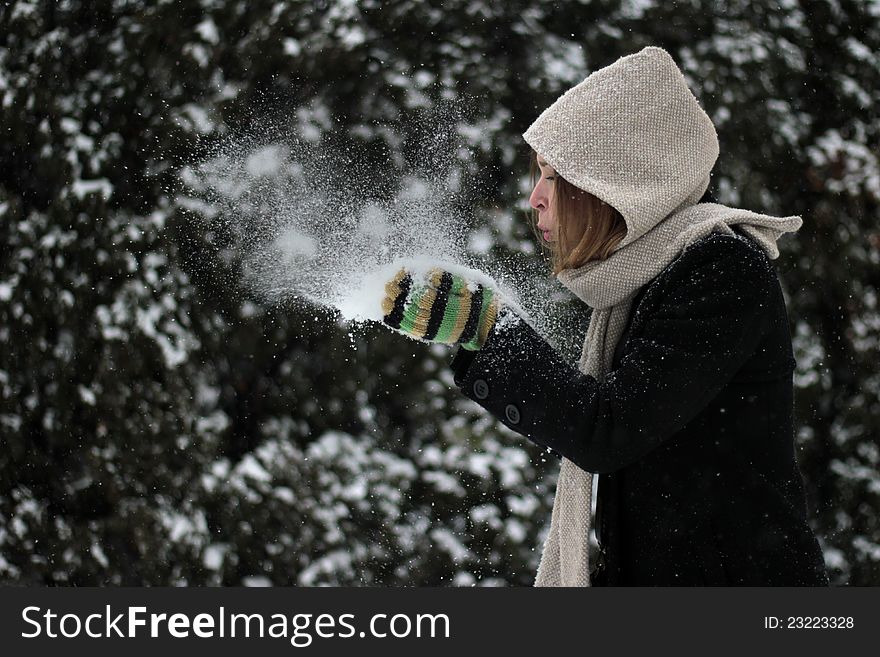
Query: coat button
[[512, 413], [481, 389]]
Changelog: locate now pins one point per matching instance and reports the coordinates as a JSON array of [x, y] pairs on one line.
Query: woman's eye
[[550, 178]]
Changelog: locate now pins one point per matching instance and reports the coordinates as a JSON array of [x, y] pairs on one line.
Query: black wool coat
[[691, 430]]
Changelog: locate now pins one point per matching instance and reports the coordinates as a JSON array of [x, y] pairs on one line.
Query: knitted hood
[[633, 135]]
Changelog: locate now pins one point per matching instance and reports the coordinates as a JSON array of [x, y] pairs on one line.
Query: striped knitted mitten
[[449, 310]]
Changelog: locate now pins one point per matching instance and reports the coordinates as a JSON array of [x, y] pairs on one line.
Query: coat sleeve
[[705, 320]]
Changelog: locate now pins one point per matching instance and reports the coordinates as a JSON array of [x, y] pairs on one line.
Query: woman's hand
[[446, 308]]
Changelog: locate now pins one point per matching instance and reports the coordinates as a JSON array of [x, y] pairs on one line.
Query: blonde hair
[[587, 228]]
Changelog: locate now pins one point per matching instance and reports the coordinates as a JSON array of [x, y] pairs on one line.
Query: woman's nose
[[538, 200]]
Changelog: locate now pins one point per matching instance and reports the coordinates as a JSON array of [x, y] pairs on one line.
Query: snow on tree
[[161, 424]]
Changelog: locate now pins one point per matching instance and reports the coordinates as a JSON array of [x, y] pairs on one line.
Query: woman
[[682, 400]]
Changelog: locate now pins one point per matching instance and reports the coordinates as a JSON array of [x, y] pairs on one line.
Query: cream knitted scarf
[[633, 135]]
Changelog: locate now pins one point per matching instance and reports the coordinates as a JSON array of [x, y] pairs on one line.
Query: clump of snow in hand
[[310, 226], [364, 302]]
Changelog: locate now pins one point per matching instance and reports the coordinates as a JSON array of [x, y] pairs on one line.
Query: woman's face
[[541, 198]]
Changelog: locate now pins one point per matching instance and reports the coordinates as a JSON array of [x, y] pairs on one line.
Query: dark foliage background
[[159, 425]]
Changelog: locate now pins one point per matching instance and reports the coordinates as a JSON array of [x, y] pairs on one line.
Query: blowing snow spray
[[307, 227]]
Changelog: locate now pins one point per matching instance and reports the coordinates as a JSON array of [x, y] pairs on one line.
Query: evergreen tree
[[162, 424]]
